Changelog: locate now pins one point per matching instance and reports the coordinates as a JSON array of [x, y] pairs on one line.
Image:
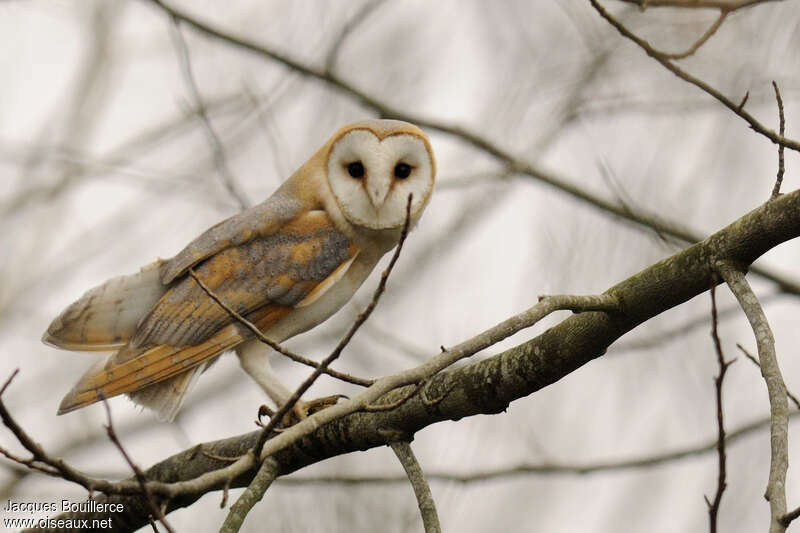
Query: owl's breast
[[308, 315]]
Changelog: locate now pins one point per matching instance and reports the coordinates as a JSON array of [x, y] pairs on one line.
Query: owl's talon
[[263, 411], [302, 409]]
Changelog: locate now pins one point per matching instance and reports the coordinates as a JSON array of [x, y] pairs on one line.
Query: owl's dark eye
[[355, 169], [402, 171]]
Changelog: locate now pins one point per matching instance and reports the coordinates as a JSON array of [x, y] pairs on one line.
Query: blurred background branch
[[107, 163]]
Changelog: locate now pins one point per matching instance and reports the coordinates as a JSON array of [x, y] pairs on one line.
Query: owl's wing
[[260, 220], [106, 317], [262, 279], [282, 269]]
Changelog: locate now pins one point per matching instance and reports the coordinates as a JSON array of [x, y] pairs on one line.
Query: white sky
[[507, 70]]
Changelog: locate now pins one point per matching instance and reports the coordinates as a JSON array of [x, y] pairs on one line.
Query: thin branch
[[776, 190], [511, 164], [682, 74], [747, 354], [220, 161], [723, 14], [115, 159], [360, 319], [789, 517], [360, 16], [155, 508], [52, 466], [274, 345], [776, 388], [252, 495], [744, 101], [547, 469], [543, 469], [682, 330], [713, 508], [729, 5], [137, 425], [425, 501]]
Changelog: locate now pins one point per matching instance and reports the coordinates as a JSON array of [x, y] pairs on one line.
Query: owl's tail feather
[[149, 373], [106, 317], [166, 397]]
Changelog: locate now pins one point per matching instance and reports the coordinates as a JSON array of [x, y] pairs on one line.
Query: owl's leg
[[254, 358]]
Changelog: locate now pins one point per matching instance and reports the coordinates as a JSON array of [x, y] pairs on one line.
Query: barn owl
[[286, 265]]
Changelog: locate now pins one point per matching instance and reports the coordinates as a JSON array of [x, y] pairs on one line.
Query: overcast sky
[[104, 167]]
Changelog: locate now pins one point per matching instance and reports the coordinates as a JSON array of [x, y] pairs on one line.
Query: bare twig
[[776, 388], [723, 14], [425, 501], [116, 159], [252, 495], [52, 466], [789, 517], [747, 354], [274, 345], [744, 101], [713, 507], [374, 408], [155, 508], [680, 331], [776, 190], [669, 65], [220, 161], [360, 16], [360, 319], [728, 5]]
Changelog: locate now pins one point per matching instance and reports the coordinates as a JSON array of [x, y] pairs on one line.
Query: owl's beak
[[377, 192]]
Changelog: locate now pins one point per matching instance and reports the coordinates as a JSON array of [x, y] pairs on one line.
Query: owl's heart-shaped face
[[372, 173]]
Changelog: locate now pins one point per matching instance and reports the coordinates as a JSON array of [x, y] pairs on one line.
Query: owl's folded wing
[[262, 279], [260, 220]]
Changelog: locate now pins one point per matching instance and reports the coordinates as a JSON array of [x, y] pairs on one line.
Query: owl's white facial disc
[[371, 178]]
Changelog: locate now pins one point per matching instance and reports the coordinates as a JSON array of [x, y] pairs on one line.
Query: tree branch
[[789, 394], [776, 388], [252, 495], [723, 14], [272, 344], [487, 386], [220, 161], [728, 5], [713, 507], [697, 82], [776, 190], [141, 478], [422, 491]]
